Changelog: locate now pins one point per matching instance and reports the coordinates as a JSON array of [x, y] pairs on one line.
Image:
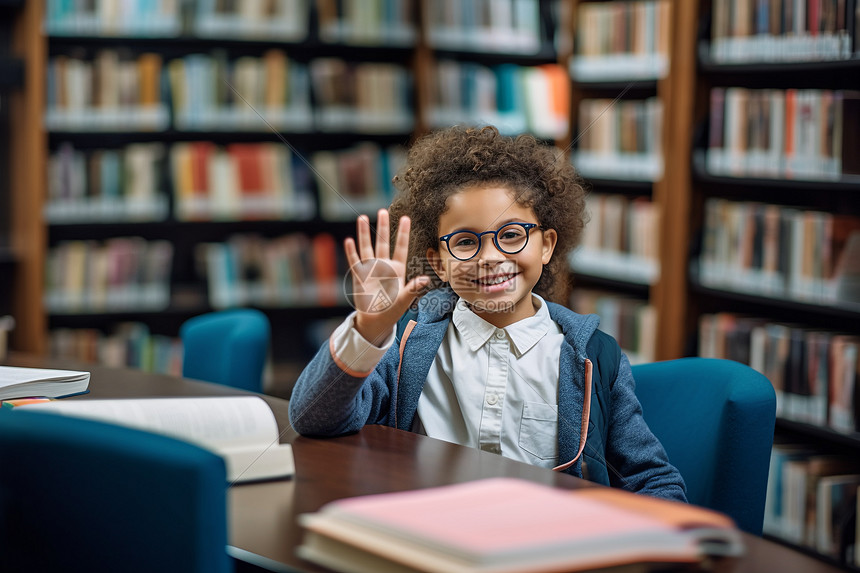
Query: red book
[[248, 166], [201, 151], [325, 268]]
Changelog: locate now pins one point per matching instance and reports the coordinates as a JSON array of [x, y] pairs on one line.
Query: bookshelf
[[772, 194], [139, 161], [623, 83], [669, 84], [110, 139], [438, 56]]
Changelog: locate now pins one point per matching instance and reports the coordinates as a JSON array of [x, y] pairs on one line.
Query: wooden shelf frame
[[28, 181]]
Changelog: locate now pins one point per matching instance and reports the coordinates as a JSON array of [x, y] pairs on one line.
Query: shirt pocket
[[539, 430]]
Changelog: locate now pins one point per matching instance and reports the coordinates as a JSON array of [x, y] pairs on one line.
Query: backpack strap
[[403, 322], [605, 354]]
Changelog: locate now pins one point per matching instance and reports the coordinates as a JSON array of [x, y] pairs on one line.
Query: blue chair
[[715, 418], [227, 347], [81, 495]]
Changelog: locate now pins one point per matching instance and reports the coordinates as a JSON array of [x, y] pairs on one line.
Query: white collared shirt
[[490, 388], [496, 388]]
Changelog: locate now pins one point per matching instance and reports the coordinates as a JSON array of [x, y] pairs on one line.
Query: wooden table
[[263, 530]]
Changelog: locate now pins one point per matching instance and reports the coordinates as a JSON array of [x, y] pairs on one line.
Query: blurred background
[[160, 159]]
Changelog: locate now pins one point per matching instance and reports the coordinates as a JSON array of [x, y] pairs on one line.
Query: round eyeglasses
[[510, 238]]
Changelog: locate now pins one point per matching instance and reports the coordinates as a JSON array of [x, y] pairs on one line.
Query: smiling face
[[497, 286]]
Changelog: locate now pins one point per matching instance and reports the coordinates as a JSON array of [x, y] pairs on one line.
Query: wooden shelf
[[627, 186], [595, 281], [822, 433], [302, 140], [202, 231], [180, 45], [816, 67], [845, 184], [846, 313], [546, 55]]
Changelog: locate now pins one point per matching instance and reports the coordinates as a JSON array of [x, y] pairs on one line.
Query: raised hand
[[380, 292]]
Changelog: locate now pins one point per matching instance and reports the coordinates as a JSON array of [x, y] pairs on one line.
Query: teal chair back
[[81, 495], [227, 347], [715, 418]]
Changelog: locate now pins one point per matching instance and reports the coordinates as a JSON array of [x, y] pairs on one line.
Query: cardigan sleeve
[[635, 458], [331, 399]]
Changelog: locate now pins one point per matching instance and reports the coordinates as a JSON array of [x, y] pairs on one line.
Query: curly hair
[[445, 162]]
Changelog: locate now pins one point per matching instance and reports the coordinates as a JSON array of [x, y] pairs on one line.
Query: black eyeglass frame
[[526, 226]]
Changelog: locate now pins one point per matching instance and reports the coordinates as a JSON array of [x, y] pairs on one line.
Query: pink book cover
[[493, 519]]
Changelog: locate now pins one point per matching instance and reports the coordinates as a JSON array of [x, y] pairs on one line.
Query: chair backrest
[[227, 347], [715, 418], [81, 495]]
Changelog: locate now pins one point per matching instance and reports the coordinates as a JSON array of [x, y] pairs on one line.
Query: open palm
[[380, 293]]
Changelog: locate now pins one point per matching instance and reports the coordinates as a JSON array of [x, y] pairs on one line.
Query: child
[[486, 361]]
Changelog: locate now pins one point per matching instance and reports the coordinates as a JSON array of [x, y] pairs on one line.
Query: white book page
[[11, 375], [221, 422], [242, 429]]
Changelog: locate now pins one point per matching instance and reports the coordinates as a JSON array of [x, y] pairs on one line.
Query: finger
[[352, 257], [382, 233], [401, 247], [409, 293], [365, 246]]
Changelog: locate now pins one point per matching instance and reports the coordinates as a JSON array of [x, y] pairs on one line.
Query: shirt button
[[492, 399], [500, 334]]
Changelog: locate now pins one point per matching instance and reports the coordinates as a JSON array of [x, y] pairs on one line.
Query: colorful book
[[510, 525]]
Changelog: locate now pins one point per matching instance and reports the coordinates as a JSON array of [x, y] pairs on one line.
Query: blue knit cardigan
[[620, 450]]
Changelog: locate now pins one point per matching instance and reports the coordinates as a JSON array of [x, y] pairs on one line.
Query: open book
[[241, 429], [506, 525], [40, 382]]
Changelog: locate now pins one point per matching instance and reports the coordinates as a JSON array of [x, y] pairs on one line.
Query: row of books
[[366, 97], [509, 26], [782, 133], [209, 182], [281, 20], [516, 99], [621, 40], [121, 273], [127, 345], [620, 139], [240, 181], [213, 93], [631, 321], [621, 240], [368, 22], [147, 18], [773, 250], [292, 270], [812, 501], [745, 31], [106, 93], [815, 372], [106, 184], [356, 180], [209, 92]]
